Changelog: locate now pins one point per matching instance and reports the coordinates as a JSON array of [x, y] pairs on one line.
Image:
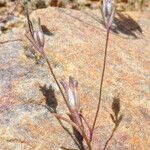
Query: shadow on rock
[[51, 101], [123, 24], [46, 30], [126, 25]]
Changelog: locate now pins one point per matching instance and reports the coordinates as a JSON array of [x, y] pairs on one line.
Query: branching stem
[[77, 127]]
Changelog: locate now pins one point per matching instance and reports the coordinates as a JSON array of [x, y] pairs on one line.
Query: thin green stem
[[101, 83]]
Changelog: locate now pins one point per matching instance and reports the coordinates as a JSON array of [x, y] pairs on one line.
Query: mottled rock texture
[[75, 43]]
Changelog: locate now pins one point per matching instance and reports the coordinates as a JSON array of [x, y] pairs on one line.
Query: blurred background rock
[[76, 4], [15, 8]]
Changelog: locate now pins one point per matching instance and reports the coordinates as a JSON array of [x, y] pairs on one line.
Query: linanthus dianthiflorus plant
[[36, 36]]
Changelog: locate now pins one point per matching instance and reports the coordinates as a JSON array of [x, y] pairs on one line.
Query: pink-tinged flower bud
[[73, 100], [108, 11], [39, 38]]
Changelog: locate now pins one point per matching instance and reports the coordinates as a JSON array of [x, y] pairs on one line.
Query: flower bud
[[39, 38], [108, 11], [73, 100]]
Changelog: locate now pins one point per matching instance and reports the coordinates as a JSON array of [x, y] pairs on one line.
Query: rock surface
[[75, 43]]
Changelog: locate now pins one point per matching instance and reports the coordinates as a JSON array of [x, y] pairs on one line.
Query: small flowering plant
[[35, 35], [71, 97]]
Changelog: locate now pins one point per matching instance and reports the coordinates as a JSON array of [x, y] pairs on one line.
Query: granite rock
[[75, 43]]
